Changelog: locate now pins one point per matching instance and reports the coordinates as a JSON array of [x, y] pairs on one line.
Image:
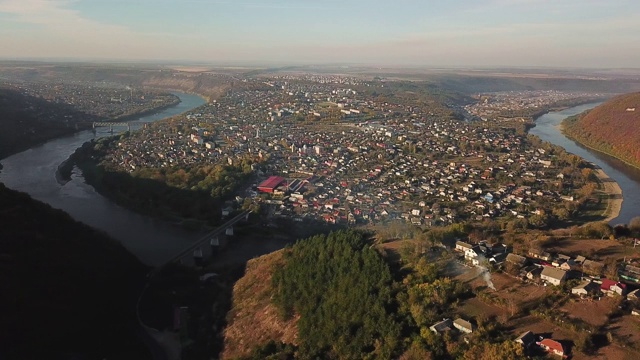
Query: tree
[[634, 224], [539, 220], [508, 350], [561, 213], [587, 190], [341, 289]]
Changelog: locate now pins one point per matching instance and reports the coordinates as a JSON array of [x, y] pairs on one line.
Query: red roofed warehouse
[[270, 184]]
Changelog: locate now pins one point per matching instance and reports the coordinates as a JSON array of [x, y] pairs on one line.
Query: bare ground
[[594, 312], [253, 319], [589, 248]]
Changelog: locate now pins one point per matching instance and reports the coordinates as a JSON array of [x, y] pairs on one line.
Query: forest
[[353, 304], [68, 291], [611, 128]]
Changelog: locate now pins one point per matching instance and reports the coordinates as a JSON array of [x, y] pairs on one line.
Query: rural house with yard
[[553, 276]]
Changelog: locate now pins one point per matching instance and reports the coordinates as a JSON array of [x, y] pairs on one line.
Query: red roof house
[[611, 287], [552, 347]]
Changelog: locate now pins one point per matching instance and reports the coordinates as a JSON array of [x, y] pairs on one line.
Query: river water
[[628, 177], [34, 172]]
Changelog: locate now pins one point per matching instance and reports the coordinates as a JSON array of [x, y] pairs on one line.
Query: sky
[[442, 33]]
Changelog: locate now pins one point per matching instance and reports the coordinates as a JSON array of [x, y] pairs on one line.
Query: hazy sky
[[563, 33]]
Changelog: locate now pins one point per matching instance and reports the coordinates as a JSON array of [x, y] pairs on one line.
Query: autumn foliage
[[611, 128]]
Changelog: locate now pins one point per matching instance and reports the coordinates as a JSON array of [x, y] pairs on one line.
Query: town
[[82, 102], [330, 153], [331, 150]]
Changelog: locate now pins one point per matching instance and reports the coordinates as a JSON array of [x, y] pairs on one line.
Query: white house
[[463, 246], [553, 276]]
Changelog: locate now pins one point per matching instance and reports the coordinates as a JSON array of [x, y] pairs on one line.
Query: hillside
[[254, 319], [27, 121], [68, 291], [611, 128], [336, 296]]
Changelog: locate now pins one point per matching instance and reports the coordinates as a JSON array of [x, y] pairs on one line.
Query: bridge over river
[[111, 125], [207, 245]]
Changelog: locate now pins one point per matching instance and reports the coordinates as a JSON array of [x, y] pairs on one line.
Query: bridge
[[206, 241], [153, 338], [111, 125]]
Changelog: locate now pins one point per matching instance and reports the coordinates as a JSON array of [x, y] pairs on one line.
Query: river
[[628, 177], [34, 171]]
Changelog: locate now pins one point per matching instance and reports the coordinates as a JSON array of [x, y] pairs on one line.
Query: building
[[464, 326], [527, 339], [269, 185], [586, 288], [611, 287], [517, 260], [463, 246], [552, 347], [634, 295], [553, 276], [442, 326]]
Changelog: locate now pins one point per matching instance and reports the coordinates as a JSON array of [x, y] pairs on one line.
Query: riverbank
[[33, 171], [63, 131], [152, 111], [611, 188], [613, 192], [620, 179]]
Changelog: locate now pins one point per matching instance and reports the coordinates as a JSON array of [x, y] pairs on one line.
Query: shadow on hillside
[[68, 291], [27, 121], [207, 299], [190, 310]]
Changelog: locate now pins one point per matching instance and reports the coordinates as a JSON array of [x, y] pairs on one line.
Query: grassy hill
[[68, 291], [611, 128]]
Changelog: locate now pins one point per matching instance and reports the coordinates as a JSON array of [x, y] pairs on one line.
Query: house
[[463, 325], [539, 254], [612, 287], [526, 339], [634, 295], [496, 248], [586, 288], [497, 258], [517, 260], [552, 347], [473, 254], [463, 246], [553, 276], [442, 326], [533, 272], [568, 265]]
